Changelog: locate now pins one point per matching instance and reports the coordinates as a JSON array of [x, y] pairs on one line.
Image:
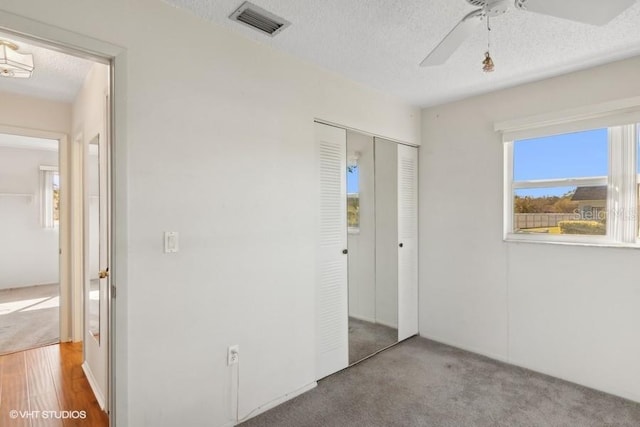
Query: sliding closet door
[[407, 241], [332, 291]]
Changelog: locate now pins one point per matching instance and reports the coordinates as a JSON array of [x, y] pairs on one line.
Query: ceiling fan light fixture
[[13, 63], [487, 65]]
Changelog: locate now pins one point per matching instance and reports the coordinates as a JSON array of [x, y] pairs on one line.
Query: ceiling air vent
[[257, 18]]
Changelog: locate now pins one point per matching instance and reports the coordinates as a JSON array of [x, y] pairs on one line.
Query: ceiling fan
[[595, 12]]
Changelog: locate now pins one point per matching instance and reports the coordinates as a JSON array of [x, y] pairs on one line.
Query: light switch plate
[[170, 242]]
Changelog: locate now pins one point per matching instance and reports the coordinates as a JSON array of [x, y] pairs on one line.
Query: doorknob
[[344, 251], [104, 274], [401, 245]]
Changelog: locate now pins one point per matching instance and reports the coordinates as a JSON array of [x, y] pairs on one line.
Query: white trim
[[33, 133], [598, 240], [75, 162], [622, 198], [30, 195], [538, 239], [277, 401], [507, 359], [375, 135], [94, 385], [507, 204], [57, 39], [471, 349], [562, 182], [606, 114]]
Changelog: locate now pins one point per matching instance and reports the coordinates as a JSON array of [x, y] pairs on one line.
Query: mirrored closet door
[[367, 287], [371, 243]]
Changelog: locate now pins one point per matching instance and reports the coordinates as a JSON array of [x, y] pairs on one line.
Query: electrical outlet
[[233, 354]]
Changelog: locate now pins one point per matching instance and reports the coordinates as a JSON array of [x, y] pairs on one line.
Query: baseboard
[[620, 393], [260, 409], [614, 392], [94, 385], [490, 355]]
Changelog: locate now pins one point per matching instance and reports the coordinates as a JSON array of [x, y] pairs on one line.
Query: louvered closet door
[[332, 291], [407, 241]]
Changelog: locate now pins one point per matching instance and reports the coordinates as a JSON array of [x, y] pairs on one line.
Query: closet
[[367, 280]]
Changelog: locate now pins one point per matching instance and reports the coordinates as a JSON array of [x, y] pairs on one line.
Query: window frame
[[47, 208], [623, 141]]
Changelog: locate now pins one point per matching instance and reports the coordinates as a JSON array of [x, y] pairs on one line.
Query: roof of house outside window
[[598, 192]]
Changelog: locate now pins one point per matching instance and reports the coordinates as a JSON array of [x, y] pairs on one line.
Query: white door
[[331, 290], [96, 266], [407, 241]]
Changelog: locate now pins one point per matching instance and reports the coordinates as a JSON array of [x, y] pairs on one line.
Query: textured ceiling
[[56, 76], [380, 43]]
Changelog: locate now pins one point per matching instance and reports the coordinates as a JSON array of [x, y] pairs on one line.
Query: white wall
[[362, 245], [30, 253], [217, 152], [568, 311], [31, 113]]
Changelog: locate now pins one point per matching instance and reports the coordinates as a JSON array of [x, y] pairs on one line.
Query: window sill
[[588, 241]]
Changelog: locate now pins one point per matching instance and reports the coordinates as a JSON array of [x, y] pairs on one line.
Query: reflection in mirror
[[93, 211], [372, 322], [386, 181]]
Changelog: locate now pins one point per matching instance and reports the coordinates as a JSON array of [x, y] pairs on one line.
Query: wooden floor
[[43, 383]]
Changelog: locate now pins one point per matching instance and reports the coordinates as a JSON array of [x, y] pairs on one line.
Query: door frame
[[81, 45], [65, 279]]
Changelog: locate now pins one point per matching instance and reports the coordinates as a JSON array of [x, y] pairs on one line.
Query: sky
[[573, 155], [353, 178]]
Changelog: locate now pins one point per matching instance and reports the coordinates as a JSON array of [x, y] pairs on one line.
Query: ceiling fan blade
[[595, 12], [454, 39]]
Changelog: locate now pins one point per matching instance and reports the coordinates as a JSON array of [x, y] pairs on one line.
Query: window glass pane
[[561, 210], [56, 197], [353, 196], [572, 155]]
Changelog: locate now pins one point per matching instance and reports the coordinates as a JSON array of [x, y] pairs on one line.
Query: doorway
[[68, 94], [30, 206]]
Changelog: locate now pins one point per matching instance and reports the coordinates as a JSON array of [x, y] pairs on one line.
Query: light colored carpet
[[29, 317], [365, 338], [422, 383]]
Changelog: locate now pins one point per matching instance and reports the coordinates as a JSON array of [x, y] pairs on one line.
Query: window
[[353, 196], [574, 187], [49, 196]]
